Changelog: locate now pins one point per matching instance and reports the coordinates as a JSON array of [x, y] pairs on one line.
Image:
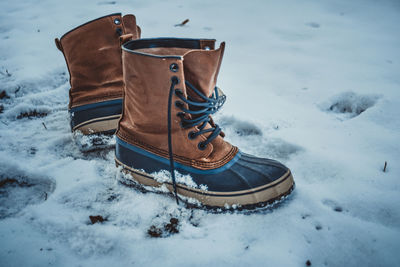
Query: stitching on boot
[[187, 161]]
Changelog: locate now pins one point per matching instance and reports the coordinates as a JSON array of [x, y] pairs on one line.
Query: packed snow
[[314, 84]]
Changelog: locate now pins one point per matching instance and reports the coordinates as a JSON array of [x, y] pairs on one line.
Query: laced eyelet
[[178, 104], [178, 92], [175, 79], [192, 135], [202, 146], [174, 67]]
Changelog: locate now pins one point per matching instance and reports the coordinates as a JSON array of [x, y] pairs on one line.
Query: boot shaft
[[148, 67], [92, 52]]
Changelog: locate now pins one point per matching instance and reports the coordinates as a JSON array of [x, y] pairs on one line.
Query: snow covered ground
[[314, 84]]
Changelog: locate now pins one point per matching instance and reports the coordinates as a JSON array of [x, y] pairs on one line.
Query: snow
[[314, 84]]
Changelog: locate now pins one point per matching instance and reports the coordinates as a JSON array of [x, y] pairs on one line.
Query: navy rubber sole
[[96, 118], [238, 184]]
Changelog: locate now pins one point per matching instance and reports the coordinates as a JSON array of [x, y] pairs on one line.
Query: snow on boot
[[166, 135], [92, 52]]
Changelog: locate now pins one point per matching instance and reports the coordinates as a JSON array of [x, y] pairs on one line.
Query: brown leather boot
[[92, 52], [166, 124]]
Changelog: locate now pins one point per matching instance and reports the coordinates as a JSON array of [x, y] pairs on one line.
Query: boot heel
[[96, 118]]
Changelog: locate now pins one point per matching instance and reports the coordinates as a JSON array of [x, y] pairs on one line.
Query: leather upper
[[147, 76], [93, 55]]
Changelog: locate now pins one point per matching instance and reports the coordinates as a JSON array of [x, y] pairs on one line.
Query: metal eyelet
[[202, 146], [174, 67], [178, 92], [117, 21], [175, 79], [192, 135], [207, 48], [178, 104]]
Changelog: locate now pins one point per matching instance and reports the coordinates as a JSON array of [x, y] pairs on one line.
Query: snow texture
[[314, 84]]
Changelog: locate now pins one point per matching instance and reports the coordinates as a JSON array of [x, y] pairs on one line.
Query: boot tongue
[[201, 69]]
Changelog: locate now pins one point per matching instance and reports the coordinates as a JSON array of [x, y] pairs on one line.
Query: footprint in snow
[[239, 127], [19, 189], [279, 149], [349, 104], [37, 86], [254, 141]]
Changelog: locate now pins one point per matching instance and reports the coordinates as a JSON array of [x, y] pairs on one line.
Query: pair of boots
[[158, 95]]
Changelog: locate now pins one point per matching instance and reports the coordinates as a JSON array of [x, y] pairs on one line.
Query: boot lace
[[201, 112]]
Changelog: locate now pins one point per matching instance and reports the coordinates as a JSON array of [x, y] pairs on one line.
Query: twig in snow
[[97, 218], [182, 23], [44, 125], [32, 114], [6, 74], [17, 89], [154, 231], [384, 167], [3, 94]]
